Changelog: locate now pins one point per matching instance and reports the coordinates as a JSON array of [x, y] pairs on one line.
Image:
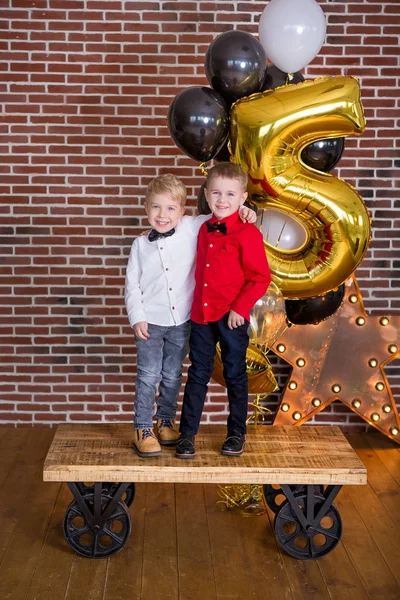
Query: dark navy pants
[[233, 342]]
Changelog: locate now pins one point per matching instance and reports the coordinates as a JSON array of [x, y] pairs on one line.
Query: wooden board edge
[[213, 475]]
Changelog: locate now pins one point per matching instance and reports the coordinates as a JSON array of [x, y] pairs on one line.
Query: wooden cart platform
[[295, 463]]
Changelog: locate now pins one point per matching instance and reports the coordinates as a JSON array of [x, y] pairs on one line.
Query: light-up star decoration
[[341, 358]]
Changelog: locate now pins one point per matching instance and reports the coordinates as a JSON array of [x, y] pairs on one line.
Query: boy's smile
[[224, 196], [163, 212]]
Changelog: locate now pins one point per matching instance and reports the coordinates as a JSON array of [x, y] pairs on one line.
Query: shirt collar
[[228, 220]]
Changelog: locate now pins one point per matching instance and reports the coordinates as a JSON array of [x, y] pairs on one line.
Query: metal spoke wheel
[[93, 540], [309, 537], [109, 488], [275, 497]]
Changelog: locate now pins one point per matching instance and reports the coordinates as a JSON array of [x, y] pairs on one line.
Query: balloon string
[[203, 169], [280, 234], [262, 222], [267, 232], [259, 414], [268, 227]]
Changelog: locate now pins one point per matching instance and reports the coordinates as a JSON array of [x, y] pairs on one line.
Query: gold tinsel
[[247, 499], [203, 169], [259, 414]]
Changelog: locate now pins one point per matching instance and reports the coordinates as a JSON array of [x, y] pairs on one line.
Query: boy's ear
[[244, 197]]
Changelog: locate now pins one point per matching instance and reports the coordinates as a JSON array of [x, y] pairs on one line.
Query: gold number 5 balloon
[[268, 133]]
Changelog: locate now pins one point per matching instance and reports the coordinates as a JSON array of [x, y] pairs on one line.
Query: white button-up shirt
[[160, 275]]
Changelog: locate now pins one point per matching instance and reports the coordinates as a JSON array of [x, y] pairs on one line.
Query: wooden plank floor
[[183, 547]]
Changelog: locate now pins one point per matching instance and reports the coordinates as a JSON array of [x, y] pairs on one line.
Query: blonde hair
[[167, 184], [227, 170]]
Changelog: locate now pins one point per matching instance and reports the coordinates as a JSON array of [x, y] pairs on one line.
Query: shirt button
[[173, 308], [206, 284], [207, 265], [170, 289], [205, 304], [161, 248], [167, 269], [211, 245]]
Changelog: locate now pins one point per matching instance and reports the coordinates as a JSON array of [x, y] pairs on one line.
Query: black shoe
[[185, 446], [234, 444]]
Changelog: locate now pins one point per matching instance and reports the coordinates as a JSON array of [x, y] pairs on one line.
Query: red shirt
[[232, 270]]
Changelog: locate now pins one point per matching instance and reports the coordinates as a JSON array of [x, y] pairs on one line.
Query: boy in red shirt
[[232, 273]]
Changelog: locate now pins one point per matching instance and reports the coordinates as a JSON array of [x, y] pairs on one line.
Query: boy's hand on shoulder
[[247, 215], [140, 330], [235, 320]]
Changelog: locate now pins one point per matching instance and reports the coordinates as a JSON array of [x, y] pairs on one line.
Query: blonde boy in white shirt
[[158, 297]]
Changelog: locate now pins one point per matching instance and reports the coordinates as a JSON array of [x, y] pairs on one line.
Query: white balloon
[[280, 230], [292, 32]]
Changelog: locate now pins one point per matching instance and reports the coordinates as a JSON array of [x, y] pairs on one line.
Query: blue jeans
[[233, 342], [159, 361]]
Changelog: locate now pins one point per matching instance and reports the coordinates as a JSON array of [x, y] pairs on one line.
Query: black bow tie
[[156, 235], [216, 227]]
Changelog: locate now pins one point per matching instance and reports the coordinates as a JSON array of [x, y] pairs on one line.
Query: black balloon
[[198, 122], [274, 78], [235, 65], [323, 155], [223, 155], [310, 311]]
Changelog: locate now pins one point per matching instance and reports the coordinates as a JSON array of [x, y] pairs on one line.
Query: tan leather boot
[[146, 443], [167, 432]]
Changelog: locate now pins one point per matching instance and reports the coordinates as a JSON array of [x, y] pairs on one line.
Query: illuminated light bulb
[[372, 362], [296, 415], [394, 431], [360, 321], [392, 348], [356, 403], [380, 386], [375, 417], [281, 347], [353, 298], [384, 321], [292, 385], [316, 402], [336, 388], [300, 362], [386, 408], [285, 407]]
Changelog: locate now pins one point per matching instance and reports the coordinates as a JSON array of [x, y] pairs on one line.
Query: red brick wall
[[84, 88]]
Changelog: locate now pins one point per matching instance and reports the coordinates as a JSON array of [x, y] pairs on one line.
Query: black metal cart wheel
[[275, 497], [109, 488], [310, 529], [94, 531]]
